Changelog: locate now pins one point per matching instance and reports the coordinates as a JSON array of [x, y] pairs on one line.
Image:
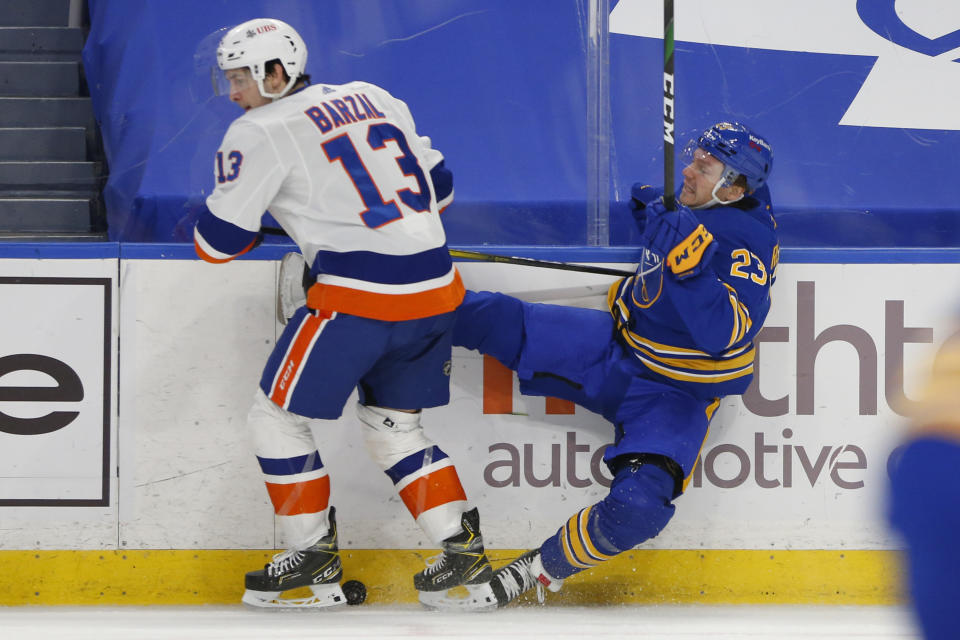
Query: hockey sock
[[636, 509], [424, 476], [293, 471]]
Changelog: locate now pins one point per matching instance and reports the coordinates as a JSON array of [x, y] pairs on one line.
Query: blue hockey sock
[[636, 509]]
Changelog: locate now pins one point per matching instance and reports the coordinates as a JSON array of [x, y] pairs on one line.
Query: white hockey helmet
[[256, 42]]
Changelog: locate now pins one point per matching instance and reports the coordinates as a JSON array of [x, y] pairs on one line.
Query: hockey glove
[[642, 195], [680, 238]]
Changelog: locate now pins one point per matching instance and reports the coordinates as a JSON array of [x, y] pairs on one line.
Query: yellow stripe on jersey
[[741, 317], [616, 304], [695, 377], [682, 363], [706, 363]]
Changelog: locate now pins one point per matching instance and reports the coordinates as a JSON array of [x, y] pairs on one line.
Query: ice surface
[[680, 622]]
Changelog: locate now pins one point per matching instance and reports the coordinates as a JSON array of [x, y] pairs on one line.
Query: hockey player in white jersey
[[344, 172]]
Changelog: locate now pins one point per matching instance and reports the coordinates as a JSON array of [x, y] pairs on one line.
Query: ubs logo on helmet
[[264, 28]]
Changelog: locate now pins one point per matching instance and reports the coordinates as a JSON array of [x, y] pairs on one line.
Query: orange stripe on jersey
[[295, 357], [312, 496], [206, 257], [432, 490], [387, 306]]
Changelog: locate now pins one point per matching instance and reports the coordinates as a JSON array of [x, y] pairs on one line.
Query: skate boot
[[462, 562], [519, 576], [317, 567]]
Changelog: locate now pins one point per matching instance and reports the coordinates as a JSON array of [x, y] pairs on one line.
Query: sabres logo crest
[[648, 282]]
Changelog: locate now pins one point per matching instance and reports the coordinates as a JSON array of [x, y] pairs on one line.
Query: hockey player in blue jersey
[[677, 338], [925, 497]]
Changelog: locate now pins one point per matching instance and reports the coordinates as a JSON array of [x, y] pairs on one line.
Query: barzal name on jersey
[[344, 172]]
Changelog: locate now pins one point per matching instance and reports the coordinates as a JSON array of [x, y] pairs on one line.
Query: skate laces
[[435, 563], [284, 561], [517, 578]]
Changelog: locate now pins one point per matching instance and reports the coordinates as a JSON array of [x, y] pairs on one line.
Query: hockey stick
[[489, 257], [668, 105], [530, 262]]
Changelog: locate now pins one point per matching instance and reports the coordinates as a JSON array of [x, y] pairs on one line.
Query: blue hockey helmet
[[742, 151]]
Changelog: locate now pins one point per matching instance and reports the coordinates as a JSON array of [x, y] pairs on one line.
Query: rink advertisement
[[788, 495], [57, 396], [801, 457]]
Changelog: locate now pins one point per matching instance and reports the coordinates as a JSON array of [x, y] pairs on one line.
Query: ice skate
[[317, 567], [520, 576], [462, 562]]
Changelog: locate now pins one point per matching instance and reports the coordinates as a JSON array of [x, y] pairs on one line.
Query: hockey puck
[[354, 591]]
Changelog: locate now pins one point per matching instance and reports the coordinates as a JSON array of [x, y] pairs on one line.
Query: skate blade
[[323, 595], [479, 597]]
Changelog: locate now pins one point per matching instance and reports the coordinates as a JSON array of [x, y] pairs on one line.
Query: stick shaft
[[489, 257], [668, 105], [530, 262]]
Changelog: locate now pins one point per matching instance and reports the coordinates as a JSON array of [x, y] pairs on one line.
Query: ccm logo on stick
[[68, 388]]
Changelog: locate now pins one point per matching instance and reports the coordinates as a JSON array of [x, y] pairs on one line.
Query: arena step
[[52, 176], [34, 13], [35, 112], [40, 43], [43, 143], [45, 215], [39, 78]]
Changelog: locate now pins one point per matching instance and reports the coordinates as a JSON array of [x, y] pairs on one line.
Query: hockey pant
[[299, 487]]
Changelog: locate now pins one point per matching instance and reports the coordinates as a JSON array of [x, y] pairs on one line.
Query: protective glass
[[209, 81], [692, 152]]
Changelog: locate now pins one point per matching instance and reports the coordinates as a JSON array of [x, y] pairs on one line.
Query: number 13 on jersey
[[378, 212]]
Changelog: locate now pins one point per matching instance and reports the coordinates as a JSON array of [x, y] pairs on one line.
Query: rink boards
[[148, 491]]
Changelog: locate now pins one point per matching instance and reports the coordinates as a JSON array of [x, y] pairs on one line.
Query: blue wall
[[501, 88]]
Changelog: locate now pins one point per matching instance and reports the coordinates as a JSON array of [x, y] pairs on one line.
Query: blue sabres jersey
[[698, 333]]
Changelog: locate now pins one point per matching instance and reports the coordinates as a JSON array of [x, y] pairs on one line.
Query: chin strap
[[714, 200]]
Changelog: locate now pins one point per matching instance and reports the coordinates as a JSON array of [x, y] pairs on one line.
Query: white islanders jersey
[[344, 172]]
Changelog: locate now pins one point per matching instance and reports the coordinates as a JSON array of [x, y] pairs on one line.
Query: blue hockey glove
[[642, 195], [680, 238]]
